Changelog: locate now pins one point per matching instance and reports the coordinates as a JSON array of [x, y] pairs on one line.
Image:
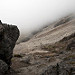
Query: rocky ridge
[[8, 37]]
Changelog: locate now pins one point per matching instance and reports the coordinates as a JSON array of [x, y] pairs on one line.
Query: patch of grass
[[52, 48], [69, 57], [72, 62], [48, 47], [56, 47], [72, 56]]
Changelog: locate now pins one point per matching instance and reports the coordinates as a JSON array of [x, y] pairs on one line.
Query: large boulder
[[8, 37], [3, 67]]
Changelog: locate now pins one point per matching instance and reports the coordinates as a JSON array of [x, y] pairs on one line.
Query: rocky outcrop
[[70, 41], [8, 37], [71, 45], [3, 67]]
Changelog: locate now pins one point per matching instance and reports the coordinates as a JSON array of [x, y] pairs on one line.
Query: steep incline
[[49, 35]]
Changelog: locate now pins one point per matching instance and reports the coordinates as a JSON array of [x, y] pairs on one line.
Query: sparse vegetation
[[69, 57], [55, 48], [71, 62], [48, 47]]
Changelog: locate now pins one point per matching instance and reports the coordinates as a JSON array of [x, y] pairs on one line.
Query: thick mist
[[30, 15]]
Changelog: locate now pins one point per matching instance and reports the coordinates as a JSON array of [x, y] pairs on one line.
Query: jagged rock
[[0, 22], [68, 37], [60, 69], [71, 45], [8, 37], [3, 67], [71, 41]]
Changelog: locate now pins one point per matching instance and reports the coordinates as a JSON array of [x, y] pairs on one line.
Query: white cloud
[[31, 14]]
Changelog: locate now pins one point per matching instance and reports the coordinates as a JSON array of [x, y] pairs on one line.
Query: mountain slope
[[49, 52], [49, 35]]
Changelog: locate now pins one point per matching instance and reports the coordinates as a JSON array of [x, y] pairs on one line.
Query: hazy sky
[[30, 15]]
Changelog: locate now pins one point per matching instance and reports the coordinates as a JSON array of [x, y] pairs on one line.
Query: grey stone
[[8, 37], [3, 67]]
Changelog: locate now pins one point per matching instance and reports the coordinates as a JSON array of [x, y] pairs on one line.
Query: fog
[[30, 15]]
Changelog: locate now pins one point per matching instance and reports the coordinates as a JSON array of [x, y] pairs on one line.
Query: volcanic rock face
[[8, 37], [3, 67], [71, 45]]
